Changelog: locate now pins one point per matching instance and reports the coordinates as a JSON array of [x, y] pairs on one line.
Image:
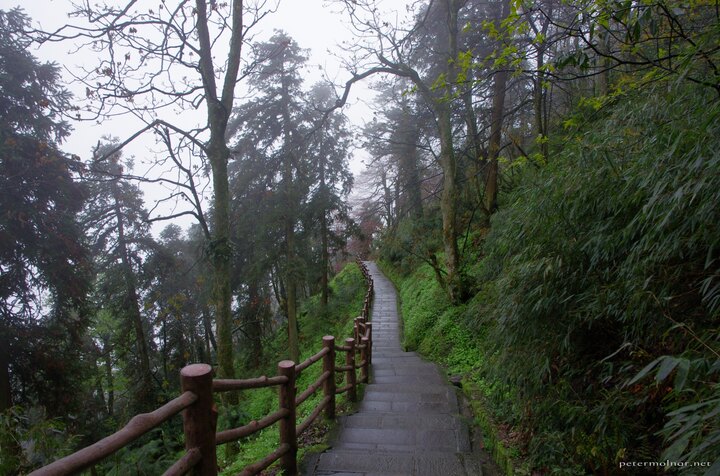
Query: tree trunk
[[388, 197], [539, 103], [291, 293], [219, 108], [324, 260], [539, 95], [110, 381], [449, 199], [210, 343], [144, 388], [324, 245], [5, 390], [221, 254], [290, 212], [448, 203], [165, 348], [253, 320], [98, 382], [496, 121], [410, 203], [473, 191]]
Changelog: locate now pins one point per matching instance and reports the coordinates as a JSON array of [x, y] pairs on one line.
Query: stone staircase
[[409, 421]]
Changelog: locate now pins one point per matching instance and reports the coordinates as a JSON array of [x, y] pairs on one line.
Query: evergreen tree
[[327, 208], [45, 271], [273, 127], [176, 300], [118, 230]]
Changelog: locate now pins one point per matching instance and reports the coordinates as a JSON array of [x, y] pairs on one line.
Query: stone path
[[408, 422]]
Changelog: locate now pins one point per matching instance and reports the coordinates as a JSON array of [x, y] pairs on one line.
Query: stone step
[[403, 440], [374, 406], [399, 421], [428, 463], [400, 370], [408, 422], [429, 397], [409, 379]]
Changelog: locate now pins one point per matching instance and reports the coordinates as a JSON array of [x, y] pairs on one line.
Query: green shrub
[[28, 439], [607, 259], [593, 331], [347, 292]]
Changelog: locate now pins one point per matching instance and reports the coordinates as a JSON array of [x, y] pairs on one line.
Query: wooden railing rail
[[185, 463], [136, 427], [312, 388], [310, 360], [228, 385], [200, 414], [254, 426]]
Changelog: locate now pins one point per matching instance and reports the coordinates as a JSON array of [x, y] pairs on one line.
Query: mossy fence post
[[329, 384], [288, 461]]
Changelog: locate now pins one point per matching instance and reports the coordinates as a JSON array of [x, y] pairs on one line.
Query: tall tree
[[45, 271], [276, 115], [175, 300], [154, 62], [391, 51], [328, 151], [396, 133], [117, 222], [497, 114]]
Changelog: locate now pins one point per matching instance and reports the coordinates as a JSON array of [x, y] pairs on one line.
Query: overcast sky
[[314, 24]]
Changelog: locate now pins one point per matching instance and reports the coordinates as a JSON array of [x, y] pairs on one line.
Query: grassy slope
[[599, 264], [439, 331], [346, 298]]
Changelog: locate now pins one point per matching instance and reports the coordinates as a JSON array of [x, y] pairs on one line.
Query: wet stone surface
[[408, 422]]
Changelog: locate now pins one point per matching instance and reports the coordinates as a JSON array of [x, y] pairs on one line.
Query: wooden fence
[[196, 402]]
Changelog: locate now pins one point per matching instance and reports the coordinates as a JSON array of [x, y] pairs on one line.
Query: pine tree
[[273, 131], [116, 220], [45, 271]]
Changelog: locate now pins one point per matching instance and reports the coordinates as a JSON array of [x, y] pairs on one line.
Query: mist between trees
[[484, 111]]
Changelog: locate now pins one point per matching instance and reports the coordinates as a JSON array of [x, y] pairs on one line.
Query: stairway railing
[[196, 402]]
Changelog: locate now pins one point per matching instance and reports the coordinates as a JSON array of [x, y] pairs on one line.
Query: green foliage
[[28, 439], [344, 304], [593, 330], [412, 242], [44, 267], [608, 257], [665, 39], [435, 328], [151, 455], [347, 291]]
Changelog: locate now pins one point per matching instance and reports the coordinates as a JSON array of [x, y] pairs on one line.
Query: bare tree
[[385, 47], [164, 67], [159, 65]]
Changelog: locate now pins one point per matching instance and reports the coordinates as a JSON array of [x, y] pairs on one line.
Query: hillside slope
[[591, 340]]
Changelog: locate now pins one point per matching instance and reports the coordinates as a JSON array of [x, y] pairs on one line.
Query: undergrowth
[[347, 291], [592, 336]]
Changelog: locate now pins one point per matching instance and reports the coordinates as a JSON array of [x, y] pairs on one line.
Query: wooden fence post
[[329, 384], [364, 358], [350, 373], [288, 462], [370, 344], [200, 418]]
